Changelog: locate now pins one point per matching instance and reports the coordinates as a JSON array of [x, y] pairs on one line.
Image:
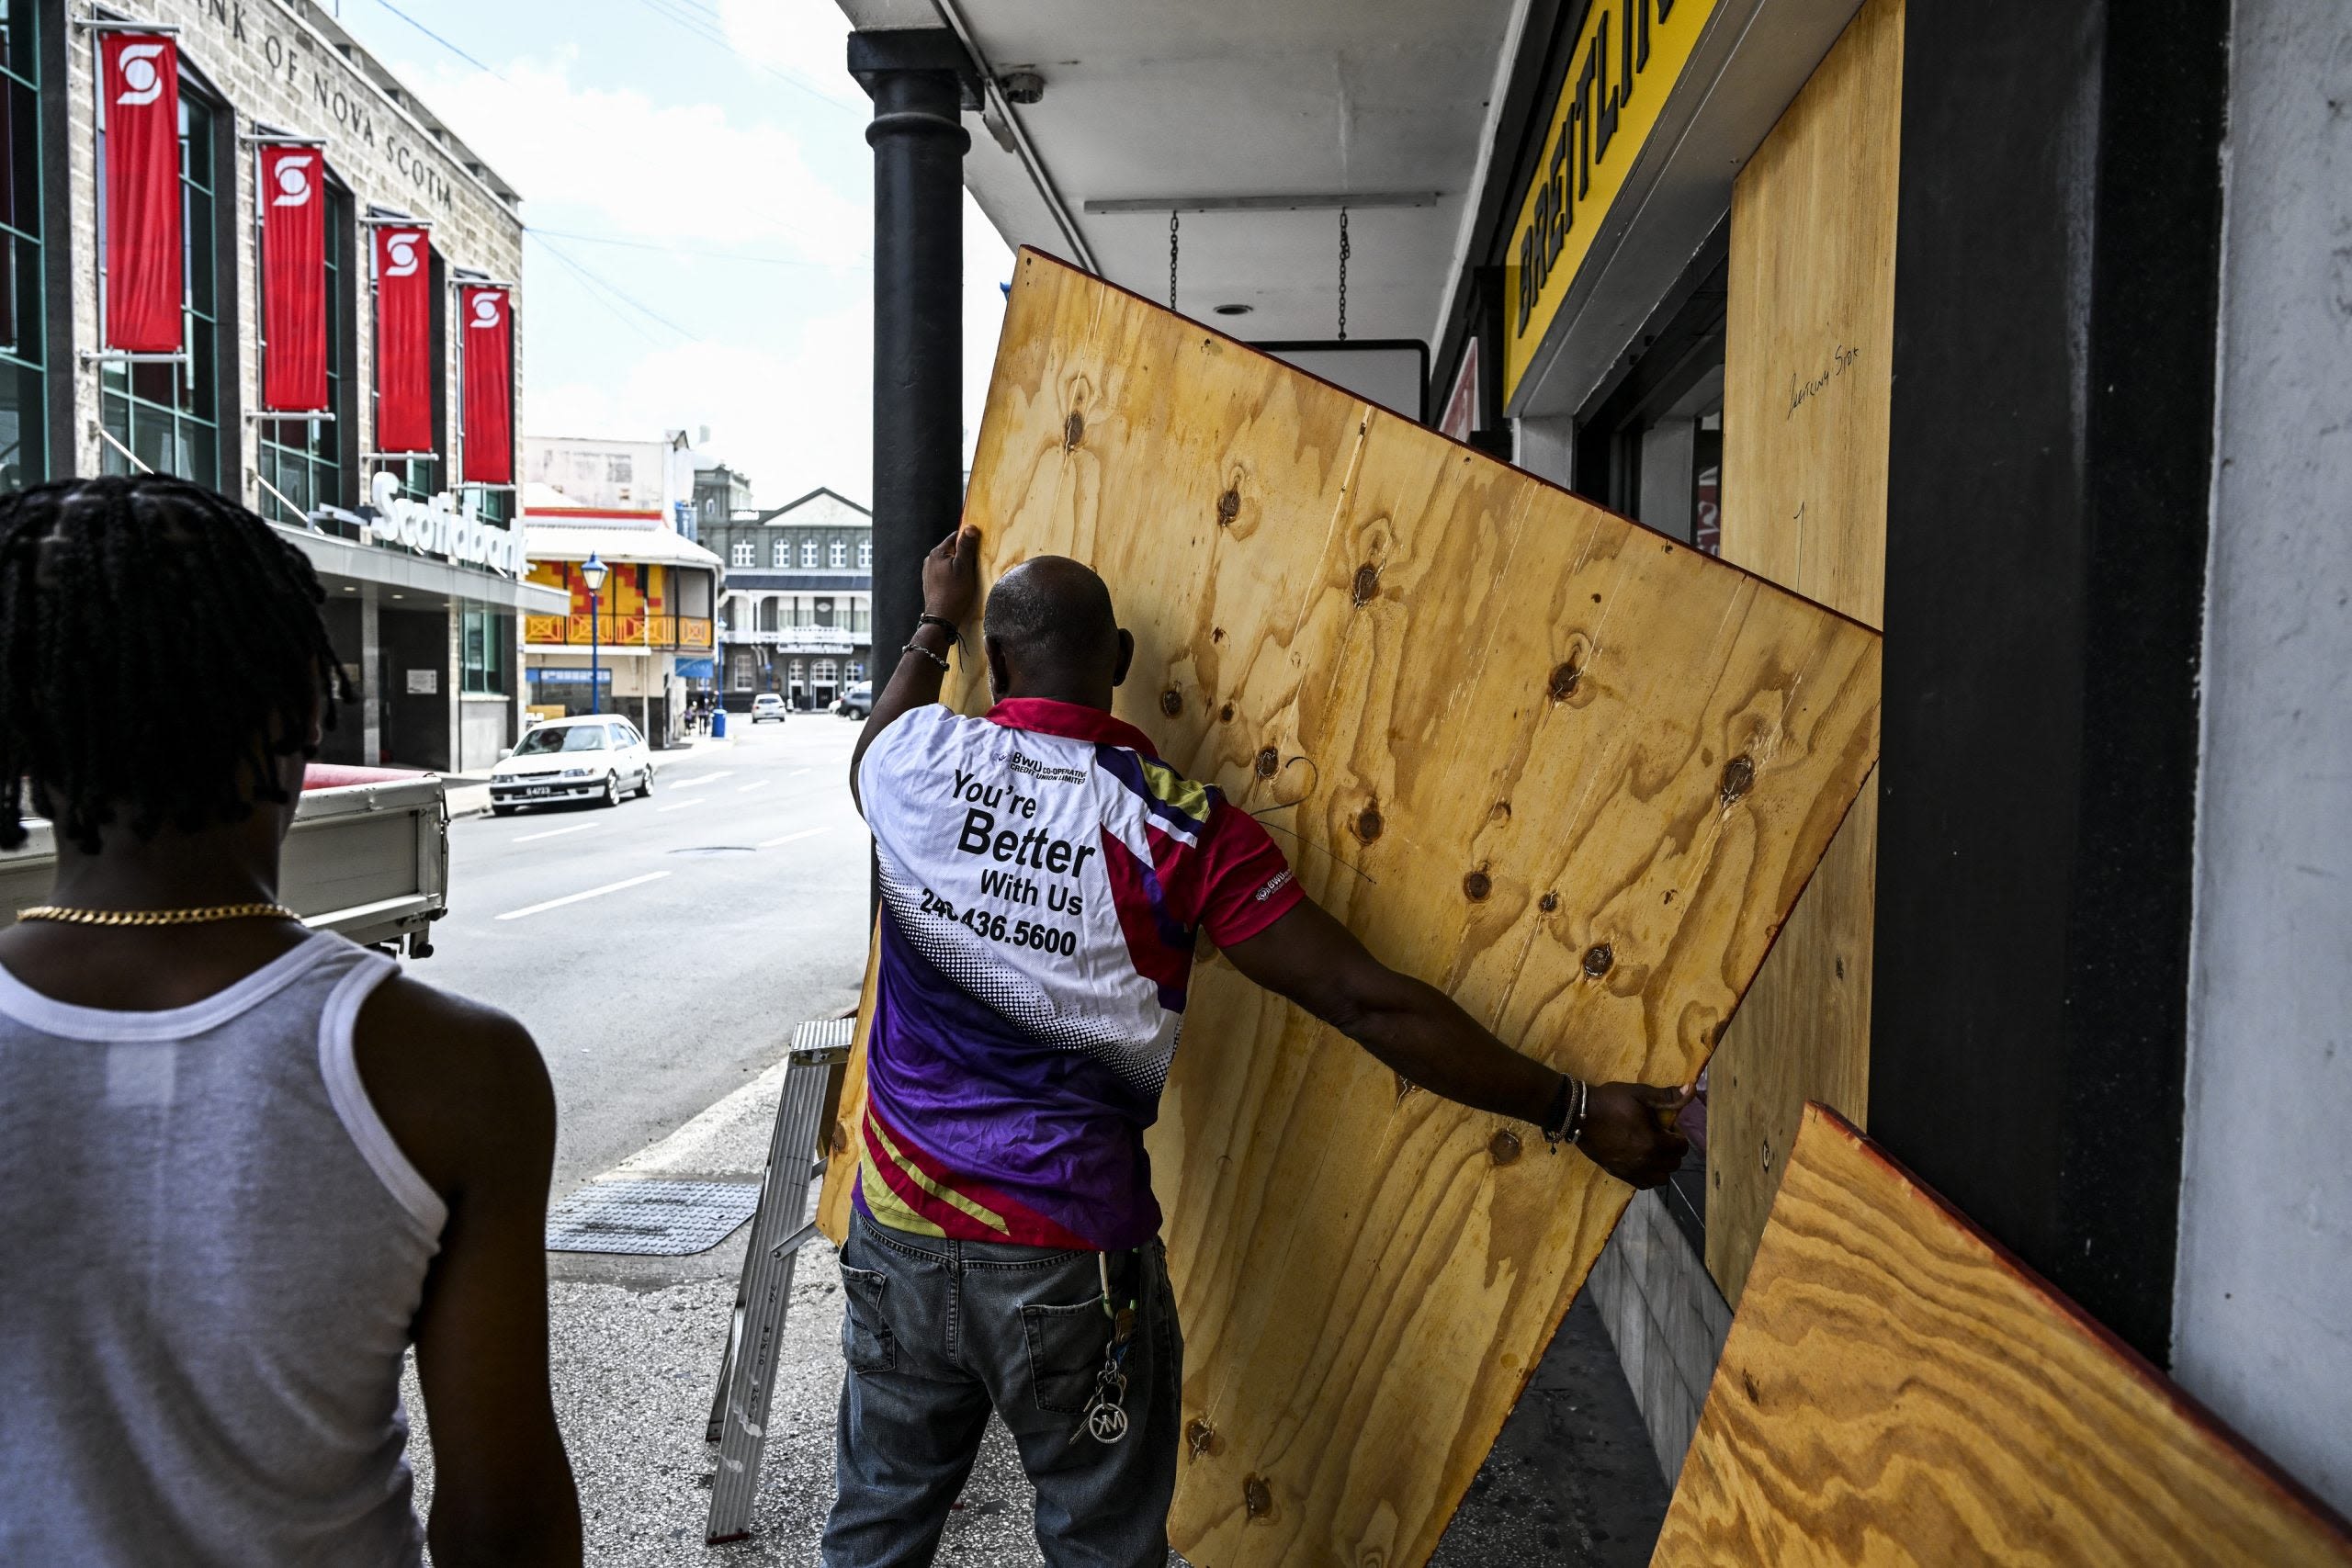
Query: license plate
[[541, 789]]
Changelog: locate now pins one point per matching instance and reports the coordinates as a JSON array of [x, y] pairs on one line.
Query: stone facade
[[430, 642], [286, 67]]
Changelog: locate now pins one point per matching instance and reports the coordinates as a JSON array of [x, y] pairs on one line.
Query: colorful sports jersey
[[1043, 874]]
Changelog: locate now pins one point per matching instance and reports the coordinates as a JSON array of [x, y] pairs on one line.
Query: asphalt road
[[662, 951]]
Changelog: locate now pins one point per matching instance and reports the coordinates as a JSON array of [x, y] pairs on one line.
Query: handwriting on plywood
[[1896, 1391], [1567, 769]]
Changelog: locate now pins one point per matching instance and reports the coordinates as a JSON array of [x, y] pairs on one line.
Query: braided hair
[[104, 582]]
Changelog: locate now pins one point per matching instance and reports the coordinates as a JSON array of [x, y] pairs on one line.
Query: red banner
[[293, 280], [404, 367], [140, 87], [489, 315]]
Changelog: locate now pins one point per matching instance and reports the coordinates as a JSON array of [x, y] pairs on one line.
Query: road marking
[[790, 837], [680, 805], [746, 789], [558, 832], [797, 771], [576, 897], [703, 779]]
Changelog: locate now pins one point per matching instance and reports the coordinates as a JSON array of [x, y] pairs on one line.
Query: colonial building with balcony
[[798, 616], [639, 646]]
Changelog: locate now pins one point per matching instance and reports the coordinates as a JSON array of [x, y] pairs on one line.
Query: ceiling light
[[1022, 86], [1235, 310]]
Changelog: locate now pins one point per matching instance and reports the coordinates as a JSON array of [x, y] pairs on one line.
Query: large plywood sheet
[[1808, 385], [1566, 768], [1896, 1390]]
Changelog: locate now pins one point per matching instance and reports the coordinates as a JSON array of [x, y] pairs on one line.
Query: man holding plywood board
[[1568, 769], [1043, 876]]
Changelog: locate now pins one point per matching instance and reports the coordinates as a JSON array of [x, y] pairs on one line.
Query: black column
[[2057, 278], [918, 80]]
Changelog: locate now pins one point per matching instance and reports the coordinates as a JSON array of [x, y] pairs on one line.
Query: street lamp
[[592, 572]]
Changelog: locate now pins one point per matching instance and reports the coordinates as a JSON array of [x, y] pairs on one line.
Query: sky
[[698, 197]]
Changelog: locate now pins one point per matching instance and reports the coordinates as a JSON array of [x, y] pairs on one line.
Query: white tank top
[[211, 1252]]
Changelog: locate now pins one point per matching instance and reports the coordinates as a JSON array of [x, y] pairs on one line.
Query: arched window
[[866, 555], [808, 553], [841, 554], [742, 553], [781, 556]]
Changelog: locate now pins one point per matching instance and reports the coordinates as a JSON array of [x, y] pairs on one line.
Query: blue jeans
[[937, 1333]]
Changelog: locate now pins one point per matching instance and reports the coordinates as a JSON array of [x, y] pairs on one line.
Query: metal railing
[[669, 634]]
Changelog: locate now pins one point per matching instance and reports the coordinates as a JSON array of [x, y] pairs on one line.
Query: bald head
[[1051, 632]]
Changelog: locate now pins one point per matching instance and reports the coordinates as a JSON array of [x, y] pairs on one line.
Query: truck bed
[[367, 857]]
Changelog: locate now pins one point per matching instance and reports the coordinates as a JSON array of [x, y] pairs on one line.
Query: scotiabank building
[[240, 251]]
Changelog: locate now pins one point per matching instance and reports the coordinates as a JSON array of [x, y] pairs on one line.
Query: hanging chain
[[1172, 258], [1343, 275]]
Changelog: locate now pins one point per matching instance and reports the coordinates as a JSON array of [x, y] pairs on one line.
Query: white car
[[592, 757], [767, 706]]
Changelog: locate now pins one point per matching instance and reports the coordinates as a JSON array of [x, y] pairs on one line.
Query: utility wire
[[863, 264], [712, 33], [436, 38], [623, 295]]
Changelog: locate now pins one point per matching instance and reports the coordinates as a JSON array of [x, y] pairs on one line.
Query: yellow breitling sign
[[1627, 57]]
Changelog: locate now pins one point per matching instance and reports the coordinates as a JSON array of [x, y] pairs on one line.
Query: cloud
[[806, 39], [781, 371], [645, 169], [793, 418]]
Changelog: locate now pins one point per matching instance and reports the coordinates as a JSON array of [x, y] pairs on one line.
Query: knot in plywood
[[1200, 1437], [1367, 585], [1369, 824], [1563, 684], [1739, 777], [1073, 430], [1270, 762], [1597, 959], [1548, 903], [1228, 507], [1172, 701], [1225, 713], [1476, 887], [1258, 1498], [1503, 1147]]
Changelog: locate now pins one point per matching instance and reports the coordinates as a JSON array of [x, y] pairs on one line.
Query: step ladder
[[739, 1412]]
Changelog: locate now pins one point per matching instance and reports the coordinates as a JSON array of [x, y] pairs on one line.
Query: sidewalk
[[637, 1342]]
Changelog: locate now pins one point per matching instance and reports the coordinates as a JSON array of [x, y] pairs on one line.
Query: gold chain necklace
[[206, 916]]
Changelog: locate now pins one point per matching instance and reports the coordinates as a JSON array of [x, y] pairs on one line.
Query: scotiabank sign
[[444, 527]]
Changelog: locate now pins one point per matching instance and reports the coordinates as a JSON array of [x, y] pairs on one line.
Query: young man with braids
[[243, 1167], [1043, 874]]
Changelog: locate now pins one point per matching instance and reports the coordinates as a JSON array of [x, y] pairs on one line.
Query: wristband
[[917, 648], [1561, 1112], [943, 623]]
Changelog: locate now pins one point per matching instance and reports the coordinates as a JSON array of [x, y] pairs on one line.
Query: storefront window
[[23, 388], [169, 415], [487, 638], [302, 458], [493, 504]]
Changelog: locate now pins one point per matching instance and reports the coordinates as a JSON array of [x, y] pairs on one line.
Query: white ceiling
[[1245, 97]]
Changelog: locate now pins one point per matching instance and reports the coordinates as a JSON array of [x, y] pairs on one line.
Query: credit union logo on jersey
[[1628, 57]]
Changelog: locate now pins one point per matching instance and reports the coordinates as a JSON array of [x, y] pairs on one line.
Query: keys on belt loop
[[1106, 1419]]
